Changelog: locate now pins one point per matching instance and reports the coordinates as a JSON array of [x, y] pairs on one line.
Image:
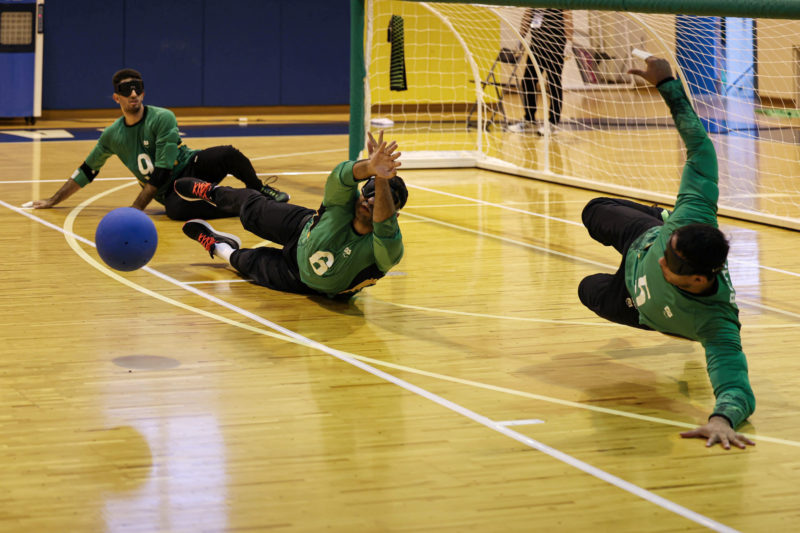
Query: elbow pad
[[159, 177], [84, 175]]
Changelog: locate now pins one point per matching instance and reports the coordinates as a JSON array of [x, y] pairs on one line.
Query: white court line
[[473, 204], [296, 154], [508, 208], [62, 180], [510, 241], [492, 204], [348, 358], [601, 323], [574, 257], [292, 173], [528, 422], [604, 323], [211, 282]]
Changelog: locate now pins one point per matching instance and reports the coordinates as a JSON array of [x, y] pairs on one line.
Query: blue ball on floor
[[126, 239]]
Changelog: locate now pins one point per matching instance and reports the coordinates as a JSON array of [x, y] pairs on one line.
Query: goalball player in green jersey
[[674, 276], [147, 141], [347, 244]]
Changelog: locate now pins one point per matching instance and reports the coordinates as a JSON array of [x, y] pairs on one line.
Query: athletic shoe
[[272, 192], [194, 190], [202, 232], [519, 127], [553, 130]]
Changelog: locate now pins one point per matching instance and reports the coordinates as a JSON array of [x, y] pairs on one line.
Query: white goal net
[[473, 74]]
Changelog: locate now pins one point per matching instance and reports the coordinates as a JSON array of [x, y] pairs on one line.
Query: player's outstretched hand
[[383, 159], [372, 144], [658, 69], [39, 204], [719, 431]]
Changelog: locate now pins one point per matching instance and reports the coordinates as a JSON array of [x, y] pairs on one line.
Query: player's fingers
[[636, 71], [741, 438], [691, 434], [739, 444]]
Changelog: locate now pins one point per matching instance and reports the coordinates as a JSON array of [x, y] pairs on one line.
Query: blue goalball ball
[[126, 239]]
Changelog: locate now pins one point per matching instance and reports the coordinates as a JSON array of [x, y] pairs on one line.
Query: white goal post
[[465, 101]]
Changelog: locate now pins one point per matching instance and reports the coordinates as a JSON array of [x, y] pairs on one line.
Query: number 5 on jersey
[[642, 292]]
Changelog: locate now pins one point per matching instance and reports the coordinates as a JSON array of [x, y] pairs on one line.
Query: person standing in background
[[548, 31]]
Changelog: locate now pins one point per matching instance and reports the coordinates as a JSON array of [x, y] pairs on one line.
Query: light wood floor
[[467, 391]]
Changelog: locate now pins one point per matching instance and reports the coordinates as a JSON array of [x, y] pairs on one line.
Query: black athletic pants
[[550, 57], [211, 164], [615, 222], [280, 223]]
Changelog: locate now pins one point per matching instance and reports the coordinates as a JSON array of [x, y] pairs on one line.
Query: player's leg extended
[[615, 222], [181, 209], [277, 222], [213, 164], [271, 267]]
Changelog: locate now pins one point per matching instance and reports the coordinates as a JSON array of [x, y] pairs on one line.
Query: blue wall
[[198, 52]]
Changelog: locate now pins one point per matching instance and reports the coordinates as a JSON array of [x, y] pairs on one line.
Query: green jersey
[[153, 142], [713, 320], [335, 260]]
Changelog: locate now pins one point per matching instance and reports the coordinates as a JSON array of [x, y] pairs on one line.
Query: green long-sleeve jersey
[[712, 320], [153, 142], [332, 257]]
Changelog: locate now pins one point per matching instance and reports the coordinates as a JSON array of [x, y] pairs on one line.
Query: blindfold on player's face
[[397, 187], [680, 266], [126, 88]]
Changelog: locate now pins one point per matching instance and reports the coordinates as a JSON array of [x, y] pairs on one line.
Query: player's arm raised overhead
[[699, 191]]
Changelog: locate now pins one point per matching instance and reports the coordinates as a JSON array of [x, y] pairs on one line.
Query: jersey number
[[321, 262], [145, 164], [642, 292]]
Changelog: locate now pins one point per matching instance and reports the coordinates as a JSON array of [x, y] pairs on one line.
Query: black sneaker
[[272, 192], [194, 190], [202, 232]]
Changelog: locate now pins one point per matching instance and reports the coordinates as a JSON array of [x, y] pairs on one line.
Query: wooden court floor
[[467, 391]]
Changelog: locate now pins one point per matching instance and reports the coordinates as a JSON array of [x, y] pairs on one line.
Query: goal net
[[455, 85]]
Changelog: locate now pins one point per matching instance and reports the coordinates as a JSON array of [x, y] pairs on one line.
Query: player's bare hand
[[40, 204], [658, 69], [383, 161], [372, 144], [719, 431]]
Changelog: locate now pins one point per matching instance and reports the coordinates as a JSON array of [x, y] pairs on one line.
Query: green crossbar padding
[[775, 9]]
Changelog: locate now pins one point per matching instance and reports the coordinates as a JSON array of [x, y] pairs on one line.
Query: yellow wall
[[776, 62], [437, 70]]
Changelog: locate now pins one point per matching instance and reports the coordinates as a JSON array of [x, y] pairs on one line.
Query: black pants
[[550, 57], [211, 164], [280, 223], [617, 223]]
